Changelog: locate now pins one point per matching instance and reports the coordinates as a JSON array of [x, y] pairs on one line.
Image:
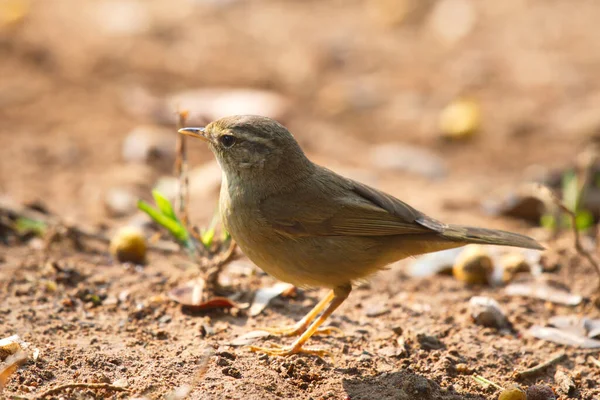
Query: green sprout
[[25, 226], [164, 215], [571, 198]]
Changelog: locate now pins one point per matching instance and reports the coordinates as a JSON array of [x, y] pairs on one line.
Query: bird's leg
[[301, 325], [339, 295]]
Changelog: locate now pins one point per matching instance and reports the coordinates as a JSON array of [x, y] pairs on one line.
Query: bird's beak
[[194, 132]]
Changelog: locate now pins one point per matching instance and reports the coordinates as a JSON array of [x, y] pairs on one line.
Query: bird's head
[[250, 146]]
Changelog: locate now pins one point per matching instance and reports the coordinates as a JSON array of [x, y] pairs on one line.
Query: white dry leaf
[[543, 291], [566, 338], [11, 345], [265, 295]]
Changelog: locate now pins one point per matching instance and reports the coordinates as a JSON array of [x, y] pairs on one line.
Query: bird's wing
[[342, 207]]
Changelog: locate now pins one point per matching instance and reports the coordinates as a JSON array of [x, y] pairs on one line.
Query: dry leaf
[[543, 291], [578, 325], [11, 345], [192, 295], [563, 337], [265, 295], [12, 364]]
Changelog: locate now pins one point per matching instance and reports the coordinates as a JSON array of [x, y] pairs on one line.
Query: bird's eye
[[227, 140]]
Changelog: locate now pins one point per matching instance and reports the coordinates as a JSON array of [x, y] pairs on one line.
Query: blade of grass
[[173, 226], [164, 205]]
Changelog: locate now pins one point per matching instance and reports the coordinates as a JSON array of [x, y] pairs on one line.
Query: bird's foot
[[295, 330], [283, 351]]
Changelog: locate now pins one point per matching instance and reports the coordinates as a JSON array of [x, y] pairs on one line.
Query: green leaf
[[164, 205], [174, 227], [225, 236], [209, 235], [584, 220], [25, 225]]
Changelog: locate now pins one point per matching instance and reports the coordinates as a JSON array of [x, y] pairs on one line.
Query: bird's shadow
[[401, 385]]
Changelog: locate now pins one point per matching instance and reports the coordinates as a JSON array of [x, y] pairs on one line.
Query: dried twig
[[93, 386], [547, 192], [538, 369], [215, 266], [181, 167], [486, 382]]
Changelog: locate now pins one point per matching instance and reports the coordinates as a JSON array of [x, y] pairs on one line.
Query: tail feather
[[469, 234]]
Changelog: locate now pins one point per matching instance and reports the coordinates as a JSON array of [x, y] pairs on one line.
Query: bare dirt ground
[[356, 74]]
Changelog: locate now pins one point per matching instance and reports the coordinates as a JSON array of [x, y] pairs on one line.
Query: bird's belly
[[313, 261], [318, 261]]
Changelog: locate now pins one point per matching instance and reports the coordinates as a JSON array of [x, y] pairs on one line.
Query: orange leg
[[303, 324], [339, 294]]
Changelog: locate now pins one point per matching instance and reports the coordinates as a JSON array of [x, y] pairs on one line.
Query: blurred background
[[433, 101]]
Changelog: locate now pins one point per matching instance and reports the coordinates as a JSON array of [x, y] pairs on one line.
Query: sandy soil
[[356, 75]]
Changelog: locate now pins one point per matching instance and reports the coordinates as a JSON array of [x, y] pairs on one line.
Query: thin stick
[[181, 167], [483, 381], [215, 266], [545, 191], [93, 386], [538, 369]]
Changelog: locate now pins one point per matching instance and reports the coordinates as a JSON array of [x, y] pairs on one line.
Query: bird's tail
[[467, 234]]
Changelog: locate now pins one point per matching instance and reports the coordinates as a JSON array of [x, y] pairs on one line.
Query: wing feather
[[344, 208]]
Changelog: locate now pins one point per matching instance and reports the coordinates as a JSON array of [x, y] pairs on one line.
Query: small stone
[[377, 310], [122, 382], [226, 354], [223, 362], [231, 371], [463, 368], [397, 330], [429, 342], [486, 311]]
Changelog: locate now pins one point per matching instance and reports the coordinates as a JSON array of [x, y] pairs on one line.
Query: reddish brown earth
[[354, 80]]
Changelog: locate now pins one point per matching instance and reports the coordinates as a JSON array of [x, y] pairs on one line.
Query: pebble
[[486, 311]]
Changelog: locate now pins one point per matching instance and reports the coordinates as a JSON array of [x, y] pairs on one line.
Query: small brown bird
[[311, 227]]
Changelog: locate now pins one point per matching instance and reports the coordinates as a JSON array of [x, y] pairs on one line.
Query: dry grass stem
[[181, 171], [540, 368]]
